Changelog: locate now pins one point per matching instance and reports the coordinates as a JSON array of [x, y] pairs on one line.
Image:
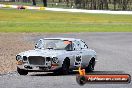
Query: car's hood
[[40, 52]]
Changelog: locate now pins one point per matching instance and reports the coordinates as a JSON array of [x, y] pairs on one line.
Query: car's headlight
[[18, 57], [55, 60]]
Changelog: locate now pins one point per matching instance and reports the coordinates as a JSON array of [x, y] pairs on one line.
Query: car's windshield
[[55, 44]]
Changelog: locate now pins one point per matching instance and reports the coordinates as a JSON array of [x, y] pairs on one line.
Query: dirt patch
[[10, 45]]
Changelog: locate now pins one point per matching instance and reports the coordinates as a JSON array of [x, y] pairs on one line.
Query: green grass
[[12, 20]]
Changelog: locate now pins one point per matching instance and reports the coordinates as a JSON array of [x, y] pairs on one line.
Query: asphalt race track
[[114, 54]]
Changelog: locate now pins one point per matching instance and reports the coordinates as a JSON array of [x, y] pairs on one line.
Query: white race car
[[59, 55]]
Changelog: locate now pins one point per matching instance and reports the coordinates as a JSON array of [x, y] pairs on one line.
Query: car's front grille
[[36, 60]]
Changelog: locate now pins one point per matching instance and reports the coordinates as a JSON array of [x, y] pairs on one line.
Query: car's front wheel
[[65, 66], [64, 70], [21, 71]]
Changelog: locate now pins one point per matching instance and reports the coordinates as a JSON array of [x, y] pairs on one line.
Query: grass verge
[[12, 20]]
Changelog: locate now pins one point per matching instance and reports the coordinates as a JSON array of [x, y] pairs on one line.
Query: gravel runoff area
[[113, 49], [10, 45]]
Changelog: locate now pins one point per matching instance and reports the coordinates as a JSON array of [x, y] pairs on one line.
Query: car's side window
[[76, 45], [83, 45], [73, 45], [40, 44]]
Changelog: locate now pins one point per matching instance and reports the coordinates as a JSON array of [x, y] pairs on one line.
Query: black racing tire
[[21, 71], [91, 65], [65, 66]]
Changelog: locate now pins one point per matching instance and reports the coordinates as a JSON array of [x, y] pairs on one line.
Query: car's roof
[[70, 39]]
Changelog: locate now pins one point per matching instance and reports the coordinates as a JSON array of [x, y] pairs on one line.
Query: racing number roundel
[[78, 60]]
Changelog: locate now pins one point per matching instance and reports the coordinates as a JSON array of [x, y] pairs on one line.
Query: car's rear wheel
[[90, 66], [21, 71]]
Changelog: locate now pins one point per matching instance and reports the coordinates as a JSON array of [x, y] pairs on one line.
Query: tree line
[[104, 4], [88, 4]]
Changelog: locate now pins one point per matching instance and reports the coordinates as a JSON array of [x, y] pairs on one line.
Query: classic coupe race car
[[59, 55]]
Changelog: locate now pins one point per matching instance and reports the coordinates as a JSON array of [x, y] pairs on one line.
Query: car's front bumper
[[38, 68]]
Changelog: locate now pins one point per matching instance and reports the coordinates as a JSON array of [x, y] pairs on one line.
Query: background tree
[[114, 2], [34, 2], [45, 3]]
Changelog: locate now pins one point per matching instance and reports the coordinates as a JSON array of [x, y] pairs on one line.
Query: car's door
[[77, 61], [85, 53]]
